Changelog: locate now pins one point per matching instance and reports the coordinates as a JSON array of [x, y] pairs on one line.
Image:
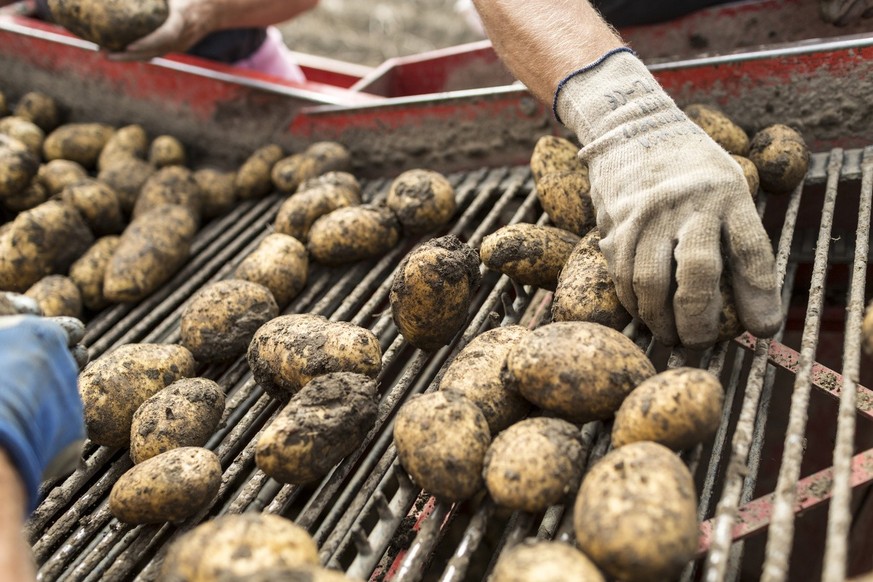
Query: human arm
[[16, 562]]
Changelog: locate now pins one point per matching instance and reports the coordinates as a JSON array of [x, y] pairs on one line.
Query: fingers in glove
[[73, 327], [81, 355], [653, 282], [697, 302], [619, 252]]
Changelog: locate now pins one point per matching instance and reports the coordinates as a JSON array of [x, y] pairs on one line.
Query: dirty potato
[[353, 234], [116, 384], [78, 142], [565, 197], [31, 197], [289, 173], [170, 185], [24, 131], [4, 107], [220, 319], [127, 175], [324, 422], [253, 179], [166, 150], [441, 440], [40, 109], [867, 330], [585, 291], [528, 254], [130, 141], [475, 373], [89, 271], [57, 295], [751, 174], [580, 371], [328, 156], [423, 200], [58, 174], [152, 248], [343, 179], [635, 514], [534, 463], [297, 213], [238, 547], [555, 154], [719, 127], [280, 263], [544, 561], [781, 156], [167, 487], [18, 166], [432, 290], [184, 414], [217, 191], [112, 24], [290, 350], [97, 203]]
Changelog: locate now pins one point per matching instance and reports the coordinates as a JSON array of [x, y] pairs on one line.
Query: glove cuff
[[586, 68], [25, 460]]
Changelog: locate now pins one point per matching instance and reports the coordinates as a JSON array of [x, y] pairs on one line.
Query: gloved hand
[[188, 22], [668, 201], [42, 425], [843, 12]]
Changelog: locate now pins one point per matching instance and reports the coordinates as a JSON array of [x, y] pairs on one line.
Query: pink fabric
[[273, 58]]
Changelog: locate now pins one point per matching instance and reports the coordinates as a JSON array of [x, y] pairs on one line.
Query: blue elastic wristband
[[563, 82]]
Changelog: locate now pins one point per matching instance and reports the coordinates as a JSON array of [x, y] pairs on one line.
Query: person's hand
[[188, 22], [670, 202], [843, 12]]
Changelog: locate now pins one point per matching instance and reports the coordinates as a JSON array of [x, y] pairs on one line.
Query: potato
[[152, 248], [168, 487], [130, 141], [57, 295], [344, 179], [751, 174], [544, 561], [112, 24], [534, 464], [253, 179], [238, 547], [127, 176], [296, 215], [352, 234], [184, 414], [441, 440], [280, 263], [719, 127], [217, 191], [432, 290], [18, 165], [475, 373], [42, 241], [40, 109], [585, 291], [580, 371], [78, 142], [555, 154], [423, 200], [328, 156], [729, 324], [116, 384], [678, 408], [58, 174], [166, 150], [528, 254], [24, 131], [290, 350], [4, 109], [565, 198], [31, 197], [97, 203], [781, 156], [220, 319], [170, 185], [324, 422], [635, 514], [867, 330], [89, 270], [291, 172]]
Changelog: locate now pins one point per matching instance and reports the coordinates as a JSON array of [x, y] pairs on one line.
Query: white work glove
[[187, 23], [669, 201], [843, 12]]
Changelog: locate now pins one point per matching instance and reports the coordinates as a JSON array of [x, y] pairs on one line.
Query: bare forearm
[[15, 558], [246, 13], [541, 41]]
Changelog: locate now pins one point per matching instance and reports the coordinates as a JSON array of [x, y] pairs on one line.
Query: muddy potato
[[781, 156], [238, 547], [58, 174], [31, 197], [97, 203], [635, 514], [217, 191], [167, 487], [566, 199], [78, 142], [432, 289], [18, 166], [544, 561], [353, 234], [328, 156], [719, 127], [678, 408], [127, 176], [289, 173], [152, 248], [253, 179], [867, 330], [170, 185], [280, 263], [40, 109], [184, 414], [343, 179], [528, 254], [220, 319], [4, 108], [116, 384], [324, 422], [24, 131], [130, 141], [297, 213], [475, 373], [166, 150], [423, 200], [112, 24], [89, 270], [751, 174], [555, 154], [290, 350], [441, 440], [580, 371], [57, 295], [585, 291], [534, 463]]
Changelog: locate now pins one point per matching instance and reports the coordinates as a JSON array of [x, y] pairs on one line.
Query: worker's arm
[[670, 202], [15, 558]]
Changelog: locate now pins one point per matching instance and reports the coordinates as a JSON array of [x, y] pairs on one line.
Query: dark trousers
[[621, 13]]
